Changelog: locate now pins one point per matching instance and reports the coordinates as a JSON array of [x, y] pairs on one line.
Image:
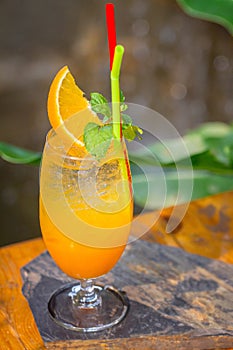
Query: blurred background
[[174, 64]]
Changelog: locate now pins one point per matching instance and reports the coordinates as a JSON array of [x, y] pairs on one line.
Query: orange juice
[[75, 259], [85, 211]]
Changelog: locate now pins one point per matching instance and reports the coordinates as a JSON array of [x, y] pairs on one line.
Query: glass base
[[108, 309]]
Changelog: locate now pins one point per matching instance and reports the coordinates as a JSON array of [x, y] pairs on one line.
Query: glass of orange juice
[[85, 217]]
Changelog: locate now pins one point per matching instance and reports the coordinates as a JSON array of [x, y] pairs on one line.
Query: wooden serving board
[[179, 300]]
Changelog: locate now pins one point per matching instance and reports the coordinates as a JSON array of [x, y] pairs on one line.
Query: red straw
[[111, 31]]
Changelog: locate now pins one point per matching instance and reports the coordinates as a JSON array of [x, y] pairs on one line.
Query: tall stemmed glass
[[85, 217]]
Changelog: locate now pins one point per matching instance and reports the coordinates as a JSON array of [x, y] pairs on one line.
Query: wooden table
[[207, 229]]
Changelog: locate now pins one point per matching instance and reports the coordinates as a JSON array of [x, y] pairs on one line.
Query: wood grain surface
[[207, 229], [172, 293]]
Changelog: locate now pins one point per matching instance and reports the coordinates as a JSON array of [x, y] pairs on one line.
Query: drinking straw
[[115, 58], [111, 32], [115, 88], [115, 54]]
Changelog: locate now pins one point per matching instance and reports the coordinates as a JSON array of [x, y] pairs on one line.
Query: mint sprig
[[97, 138], [99, 105], [122, 100]]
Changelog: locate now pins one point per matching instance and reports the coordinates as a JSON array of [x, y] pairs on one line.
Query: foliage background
[[175, 64]]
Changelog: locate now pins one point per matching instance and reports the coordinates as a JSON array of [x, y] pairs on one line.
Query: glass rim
[[63, 153]]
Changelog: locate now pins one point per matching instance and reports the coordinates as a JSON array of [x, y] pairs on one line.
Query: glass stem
[[87, 296]]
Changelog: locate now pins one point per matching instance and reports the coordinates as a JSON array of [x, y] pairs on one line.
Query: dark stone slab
[[171, 292]]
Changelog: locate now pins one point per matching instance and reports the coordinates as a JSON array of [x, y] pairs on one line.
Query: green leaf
[[222, 149], [97, 139], [210, 147], [138, 131], [122, 97], [124, 106], [18, 155], [97, 99], [126, 119], [106, 119], [218, 137], [212, 129], [99, 104], [131, 131], [207, 161], [154, 189], [170, 151], [219, 11], [209, 138]]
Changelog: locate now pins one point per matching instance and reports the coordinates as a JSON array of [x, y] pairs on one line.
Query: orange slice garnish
[[65, 100]]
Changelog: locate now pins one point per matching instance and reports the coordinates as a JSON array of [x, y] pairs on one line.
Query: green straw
[[115, 87]]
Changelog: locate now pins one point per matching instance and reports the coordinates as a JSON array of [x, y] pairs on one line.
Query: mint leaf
[[129, 130], [122, 97], [138, 131], [106, 119], [132, 131], [122, 100], [129, 133], [97, 139], [126, 119], [97, 99], [99, 104]]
